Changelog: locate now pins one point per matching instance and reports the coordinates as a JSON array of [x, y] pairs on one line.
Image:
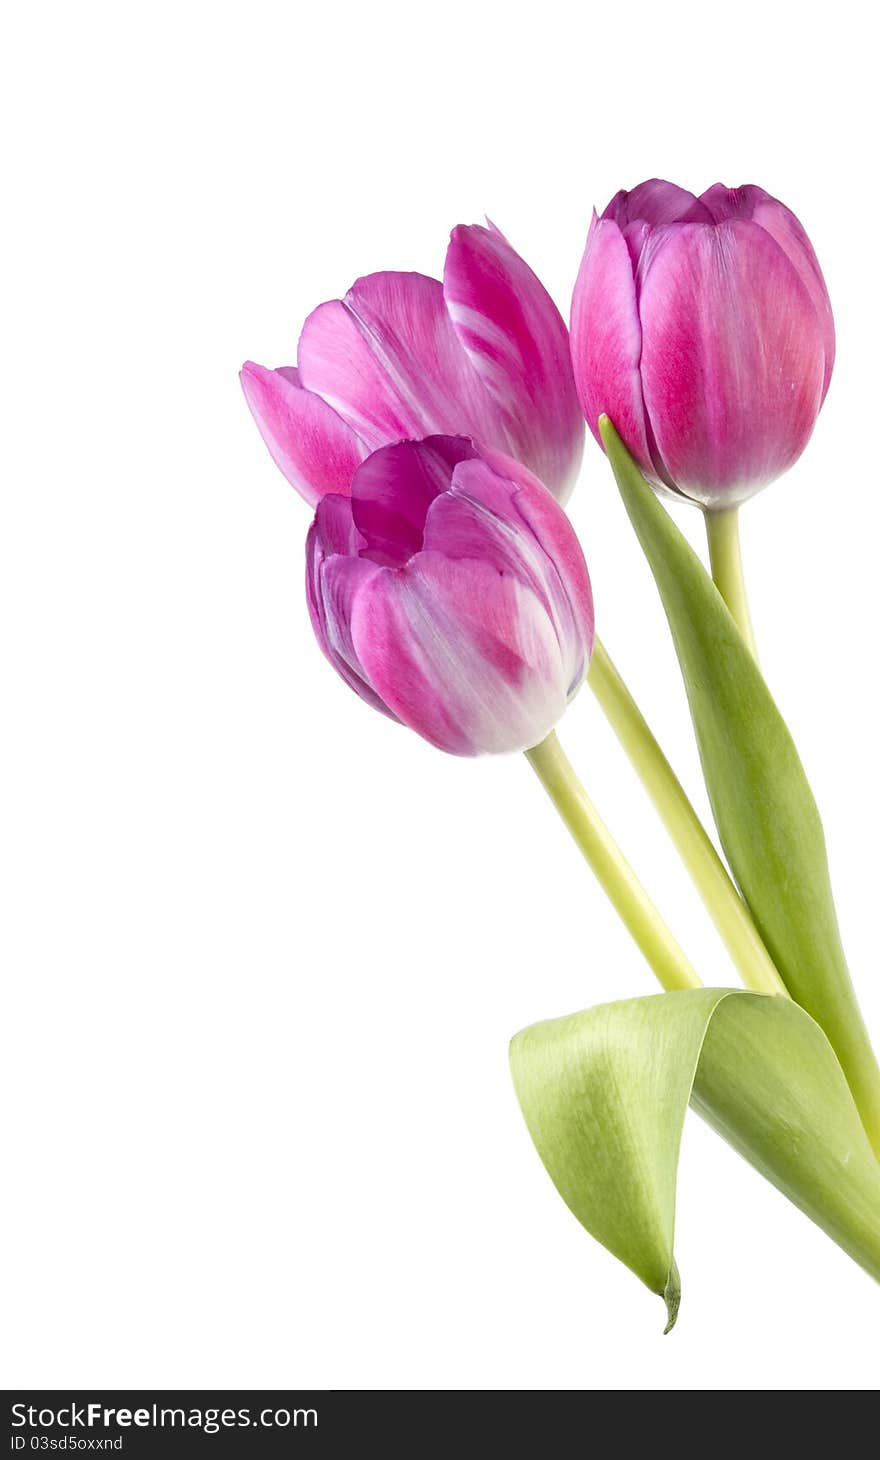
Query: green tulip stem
[[668, 961], [707, 871], [722, 531]]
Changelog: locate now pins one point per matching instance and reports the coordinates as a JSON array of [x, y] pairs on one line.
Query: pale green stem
[[708, 873], [722, 531], [618, 880]]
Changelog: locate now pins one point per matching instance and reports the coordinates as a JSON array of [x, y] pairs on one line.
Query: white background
[[263, 950]]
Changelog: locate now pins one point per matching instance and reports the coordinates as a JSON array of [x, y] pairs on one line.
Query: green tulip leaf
[[604, 1095], [761, 800]]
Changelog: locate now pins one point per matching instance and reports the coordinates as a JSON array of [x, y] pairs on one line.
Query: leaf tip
[[606, 430], [672, 1297], [622, 464]]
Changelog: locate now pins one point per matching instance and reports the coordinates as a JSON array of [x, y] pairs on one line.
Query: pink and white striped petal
[[387, 359], [517, 341], [467, 659], [307, 440], [335, 575]]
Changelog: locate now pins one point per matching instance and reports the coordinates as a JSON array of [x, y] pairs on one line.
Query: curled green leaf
[[604, 1094]]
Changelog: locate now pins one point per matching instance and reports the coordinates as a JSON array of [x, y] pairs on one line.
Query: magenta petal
[[387, 358], [467, 658], [724, 202], [788, 231], [636, 235], [335, 528], [606, 340], [732, 359], [314, 448], [498, 511], [517, 342], [334, 578], [479, 517], [561, 547], [393, 489], [655, 202]]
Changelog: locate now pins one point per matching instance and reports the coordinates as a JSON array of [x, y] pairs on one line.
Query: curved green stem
[[722, 532], [670, 964], [708, 873]]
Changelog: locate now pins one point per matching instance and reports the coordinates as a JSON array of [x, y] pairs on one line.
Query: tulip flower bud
[[485, 353], [450, 591], [702, 327]]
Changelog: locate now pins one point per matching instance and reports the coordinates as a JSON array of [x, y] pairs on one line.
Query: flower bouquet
[[436, 428]]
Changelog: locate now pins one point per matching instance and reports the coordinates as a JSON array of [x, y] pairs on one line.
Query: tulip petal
[[606, 340], [785, 228], [393, 489], [517, 342], [335, 528], [753, 202], [636, 235], [333, 581], [496, 510], [562, 549], [313, 447], [732, 361], [464, 656], [656, 202], [388, 360], [724, 202]]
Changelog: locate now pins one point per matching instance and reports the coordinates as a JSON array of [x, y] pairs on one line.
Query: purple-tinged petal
[[498, 511], [466, 657], [386, 357], [655, 202], [517, 342], [393, 489], [724, 202], [732, 359], [334, 578], [636, 236], [335, 528], [606, 340], [617, 211], [314, 448], [561, 546], [479, 517], [788, 231]]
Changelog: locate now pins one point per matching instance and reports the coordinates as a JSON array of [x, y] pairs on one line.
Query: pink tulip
[[449, 590], [484, 353], [702, 327]]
